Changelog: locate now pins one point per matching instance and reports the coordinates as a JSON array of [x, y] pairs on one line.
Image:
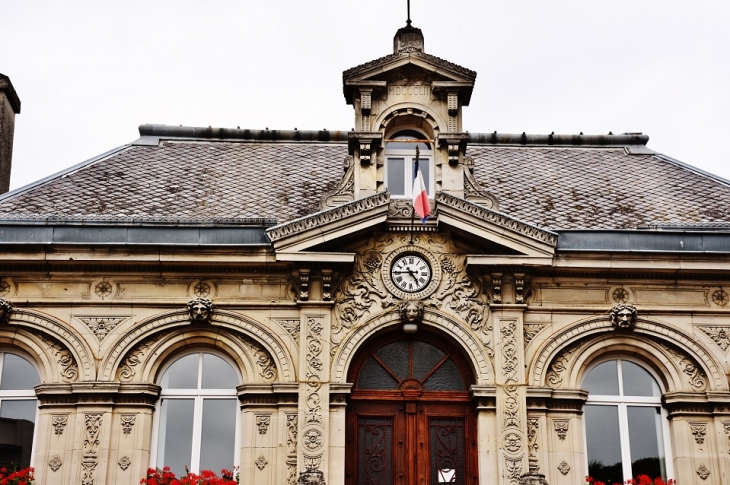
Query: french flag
[[420, 196]]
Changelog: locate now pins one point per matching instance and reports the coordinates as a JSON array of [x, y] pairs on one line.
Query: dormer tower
[[403, 100]]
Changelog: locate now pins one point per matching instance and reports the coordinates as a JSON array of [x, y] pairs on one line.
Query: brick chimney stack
[[9, 107]]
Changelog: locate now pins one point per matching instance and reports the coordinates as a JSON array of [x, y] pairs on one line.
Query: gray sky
[[88, 73]]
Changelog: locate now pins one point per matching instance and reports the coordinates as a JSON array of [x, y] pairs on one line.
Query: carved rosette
[[55, 463], [124, 462]]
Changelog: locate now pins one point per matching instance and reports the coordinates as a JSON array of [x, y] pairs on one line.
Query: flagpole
[[413, 208]]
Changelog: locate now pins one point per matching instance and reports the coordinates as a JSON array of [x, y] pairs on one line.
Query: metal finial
[[408, 21]]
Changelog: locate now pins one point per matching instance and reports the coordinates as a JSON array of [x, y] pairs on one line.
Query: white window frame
[[623, 403], [22, 395], [198, 395], [409, 156]]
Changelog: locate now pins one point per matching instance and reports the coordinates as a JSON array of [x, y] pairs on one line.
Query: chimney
[[9, 107]]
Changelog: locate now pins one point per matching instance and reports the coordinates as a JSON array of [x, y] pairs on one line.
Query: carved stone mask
[[200, 310], [411, 311], [5, 308], [623, 316]]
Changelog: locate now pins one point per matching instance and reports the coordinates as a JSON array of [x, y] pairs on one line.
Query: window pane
[[425, 167], [645, 438], [183, 374], [446, 378], [425, 357], [637, 381], [395, 357], [218, 434], [603, 443], [396, 176], [217, 373], [176, 434], [18, 409], [17, 421], [18, 374], [603, 379], [373, 376]]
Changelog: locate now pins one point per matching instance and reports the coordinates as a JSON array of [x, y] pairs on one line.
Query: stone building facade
[[205, 297]]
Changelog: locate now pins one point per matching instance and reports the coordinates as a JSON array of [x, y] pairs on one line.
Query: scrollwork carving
[[65, 360], [513, 467], [292, 327], [559, 365], [262, 358], [126, 370], [697, 378], [530, 330]]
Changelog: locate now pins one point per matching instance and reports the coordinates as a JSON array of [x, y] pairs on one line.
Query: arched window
[[400, 159], [18, 409], [198, 414], [625, 426]]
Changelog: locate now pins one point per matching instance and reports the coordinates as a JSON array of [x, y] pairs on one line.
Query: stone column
[[509, 363]]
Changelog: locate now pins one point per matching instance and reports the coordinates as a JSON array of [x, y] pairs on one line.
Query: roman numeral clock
[[411, 273]]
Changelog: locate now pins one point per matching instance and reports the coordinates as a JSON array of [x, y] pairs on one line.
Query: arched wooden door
[[410, 419]]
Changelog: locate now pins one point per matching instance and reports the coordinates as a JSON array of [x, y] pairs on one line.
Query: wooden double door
[[410, 419]]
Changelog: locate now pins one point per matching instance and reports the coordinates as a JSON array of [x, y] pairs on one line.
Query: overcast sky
[[88, 73]]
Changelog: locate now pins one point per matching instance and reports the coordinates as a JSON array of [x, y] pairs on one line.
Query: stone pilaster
[[509, 362]]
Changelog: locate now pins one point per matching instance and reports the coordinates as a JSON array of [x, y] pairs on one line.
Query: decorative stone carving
[[312, 439], [411, 311], [623, 316], [292, 423], [512, 442], [533, 425], [720, 297], [65, 360], [362, 69], [200, 310], [561, 427], [262, 423], [59, 422], [326, 284], [103, 288], [697, 378], [90, 452], [5, 286], [513, 467], [530, 330], [55, 463], [261, 462], [262, 358], [564, 468], [300, 279], [462, 295], [311, 477], [101, 326], [473, 191], [201, 289], [365, 153], [292, 327], [519, 288], [127, 421], [496, 288], [313, 427], [126, 370], [698, 431], [344, 193], [720, 335], [328, 216], [5, 309], [533, 478], [620, 295], [497, 218], [703, 472], [726, 427], [124, 463], [559, 364]]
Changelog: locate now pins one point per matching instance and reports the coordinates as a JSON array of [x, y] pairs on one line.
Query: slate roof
[[557, 188], [599, 188], [190, 180]]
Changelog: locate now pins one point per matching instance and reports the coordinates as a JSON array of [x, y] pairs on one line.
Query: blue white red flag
[[420, 196]]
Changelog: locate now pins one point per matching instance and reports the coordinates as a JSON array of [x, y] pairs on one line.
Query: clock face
[[410, 273]]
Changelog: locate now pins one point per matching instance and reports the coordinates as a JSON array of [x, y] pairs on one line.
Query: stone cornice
[[450, 66], [327, 217], [502, 220]]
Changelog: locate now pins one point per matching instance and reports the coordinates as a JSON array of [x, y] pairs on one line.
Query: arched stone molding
[[175, 327], [416, 110], [676, 356], [476, 352], [51, 342]]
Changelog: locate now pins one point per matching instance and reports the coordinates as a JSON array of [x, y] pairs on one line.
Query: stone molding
[[223, 323], [363, 69], [502, 220], [35, 327], [470, 344], [328, 216], [657, 340]]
